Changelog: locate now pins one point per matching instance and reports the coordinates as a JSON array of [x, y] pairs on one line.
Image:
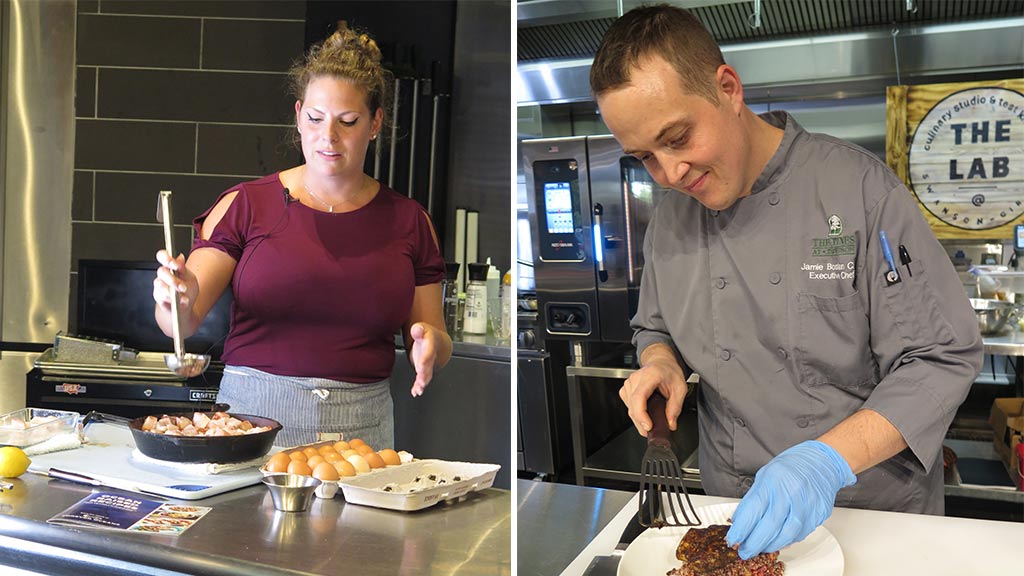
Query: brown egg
[[356, 442], [278, 462], [344, 468], [297, 455], [299, 467], [390, 457], [374, 460], [325, 449], [315, 461], [364, 449], [340, 446], [332, 457], [360, 463], [348, 453], [325, 471], [309, 451]]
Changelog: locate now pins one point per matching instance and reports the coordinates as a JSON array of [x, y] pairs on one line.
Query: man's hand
[[659, 373], [791, 496], [423, 355]]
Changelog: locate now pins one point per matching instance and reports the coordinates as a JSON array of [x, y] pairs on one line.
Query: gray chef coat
[[781, 305]]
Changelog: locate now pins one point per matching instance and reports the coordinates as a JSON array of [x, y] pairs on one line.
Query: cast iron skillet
[[221, 449]]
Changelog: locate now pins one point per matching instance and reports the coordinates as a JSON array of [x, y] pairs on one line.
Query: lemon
[[13, 462]]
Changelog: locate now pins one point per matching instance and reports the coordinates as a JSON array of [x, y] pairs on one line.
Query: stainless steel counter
[[556, 522], [480, 346], [243, 534], [1011, 344], [484, 347]]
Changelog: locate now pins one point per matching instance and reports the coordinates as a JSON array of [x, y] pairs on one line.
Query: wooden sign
[[959, 148]]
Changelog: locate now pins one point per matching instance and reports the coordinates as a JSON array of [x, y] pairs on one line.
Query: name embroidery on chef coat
[[835, 244]]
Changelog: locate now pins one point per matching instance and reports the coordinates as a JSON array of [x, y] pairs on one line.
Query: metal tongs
[[181, 362], [660, 473]]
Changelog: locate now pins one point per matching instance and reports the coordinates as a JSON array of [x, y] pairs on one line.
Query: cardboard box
[[1007, 420]]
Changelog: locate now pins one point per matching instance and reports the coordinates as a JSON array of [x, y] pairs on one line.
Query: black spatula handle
[[659, 433]]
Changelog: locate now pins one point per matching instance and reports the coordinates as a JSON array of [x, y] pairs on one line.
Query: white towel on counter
[[65, 441]]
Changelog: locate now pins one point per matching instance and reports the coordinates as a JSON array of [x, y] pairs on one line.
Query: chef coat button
[[725, 355], [747, 482], [774, 278], [783, 353], [773, 199], [720, 283], [801, 422]]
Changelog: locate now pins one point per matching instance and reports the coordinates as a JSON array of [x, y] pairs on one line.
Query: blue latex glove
[[791, 496]]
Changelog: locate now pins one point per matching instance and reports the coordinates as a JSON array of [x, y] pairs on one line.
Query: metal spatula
[[660, 474], [181, 362]]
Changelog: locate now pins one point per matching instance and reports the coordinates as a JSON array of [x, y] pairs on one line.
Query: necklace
[[330, 207]]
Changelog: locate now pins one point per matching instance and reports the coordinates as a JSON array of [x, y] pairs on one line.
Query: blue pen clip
[[893, 275]]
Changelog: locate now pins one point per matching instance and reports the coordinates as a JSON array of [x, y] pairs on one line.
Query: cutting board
[[107, 458]]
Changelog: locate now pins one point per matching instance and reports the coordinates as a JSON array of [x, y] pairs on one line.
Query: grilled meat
[[704, 552]]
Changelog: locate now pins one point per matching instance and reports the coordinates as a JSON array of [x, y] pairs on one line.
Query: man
[[829, 369]]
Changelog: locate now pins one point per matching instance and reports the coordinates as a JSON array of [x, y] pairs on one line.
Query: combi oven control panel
[[556, 185]]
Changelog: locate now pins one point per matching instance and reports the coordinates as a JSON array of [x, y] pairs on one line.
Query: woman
[[325, 264]]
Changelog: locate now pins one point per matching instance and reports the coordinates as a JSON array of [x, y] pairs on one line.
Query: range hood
[[824, 49]]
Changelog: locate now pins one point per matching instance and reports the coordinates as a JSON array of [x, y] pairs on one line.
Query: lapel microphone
[[288, 198]]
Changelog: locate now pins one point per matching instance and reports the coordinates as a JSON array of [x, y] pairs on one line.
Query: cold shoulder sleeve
[[233, 229], [427, 259]]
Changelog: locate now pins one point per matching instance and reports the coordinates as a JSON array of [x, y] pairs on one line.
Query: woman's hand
[[181, 282], [423, 354], [427, 345]]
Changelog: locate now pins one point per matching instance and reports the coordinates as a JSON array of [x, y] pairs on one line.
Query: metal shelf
[[621, 457], [984, 450]]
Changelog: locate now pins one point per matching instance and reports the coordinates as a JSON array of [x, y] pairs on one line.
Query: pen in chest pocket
[[905, 259], [893, 275]]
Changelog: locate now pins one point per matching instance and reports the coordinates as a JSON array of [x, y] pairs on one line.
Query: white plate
[[654, 551]]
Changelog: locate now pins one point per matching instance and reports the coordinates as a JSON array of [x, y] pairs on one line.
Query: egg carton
[[418, 484], [328, 489]]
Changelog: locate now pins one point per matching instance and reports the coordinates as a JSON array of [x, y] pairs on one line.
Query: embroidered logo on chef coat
[[835, 225], [833, 246]]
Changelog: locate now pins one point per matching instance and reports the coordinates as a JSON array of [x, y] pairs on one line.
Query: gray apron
[[312, 409]]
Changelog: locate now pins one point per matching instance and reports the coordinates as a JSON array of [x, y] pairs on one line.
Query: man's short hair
[[672, 33]]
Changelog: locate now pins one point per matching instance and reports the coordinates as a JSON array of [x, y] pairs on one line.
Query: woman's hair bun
[[370, 46], [345, 38]]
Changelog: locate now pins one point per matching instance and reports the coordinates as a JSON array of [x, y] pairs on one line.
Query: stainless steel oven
[[589, 206]]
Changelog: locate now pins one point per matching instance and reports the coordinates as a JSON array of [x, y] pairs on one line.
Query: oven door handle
[[627, 210], [602, 272]]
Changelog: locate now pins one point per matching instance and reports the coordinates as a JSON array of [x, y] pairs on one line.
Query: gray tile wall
[[182, 95]]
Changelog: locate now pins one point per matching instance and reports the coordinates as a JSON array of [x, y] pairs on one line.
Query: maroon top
[[319, 294]]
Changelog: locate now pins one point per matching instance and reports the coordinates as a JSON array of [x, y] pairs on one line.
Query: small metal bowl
[[291, 492], [992, 314]]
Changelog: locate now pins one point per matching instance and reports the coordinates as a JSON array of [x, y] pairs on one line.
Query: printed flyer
[[119, 512]]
